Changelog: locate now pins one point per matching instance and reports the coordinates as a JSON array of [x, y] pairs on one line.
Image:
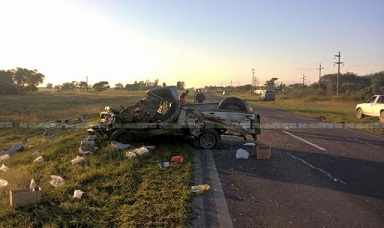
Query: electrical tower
[[303, 78], [320, 68], [253, 76], [338, 73]]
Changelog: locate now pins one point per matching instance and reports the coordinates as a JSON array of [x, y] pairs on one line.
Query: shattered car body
[[160, 113]]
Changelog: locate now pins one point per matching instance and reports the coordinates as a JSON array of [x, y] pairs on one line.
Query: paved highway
[[319, 175]]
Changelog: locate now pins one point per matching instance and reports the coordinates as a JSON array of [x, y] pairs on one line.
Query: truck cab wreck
[[159, 113]]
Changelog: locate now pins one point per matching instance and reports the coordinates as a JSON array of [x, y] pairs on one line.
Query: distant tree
[[100, 86], [180, 85], [119, 86], [27, 80], [68, 86], [7, 86], [270, 84], [82, 85], [49, 86], [164, 84]]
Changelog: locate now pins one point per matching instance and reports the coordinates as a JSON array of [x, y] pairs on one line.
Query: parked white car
[[374, 106]]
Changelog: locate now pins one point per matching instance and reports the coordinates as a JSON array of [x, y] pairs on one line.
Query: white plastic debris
[[32, 185], [249, 144], [3, 168], [56, 181], [140, 151], [77, 194], [150, 147], [36, 152], [78, 159], [38, 160], [241, 153], [119, 145], [3, 183], [4, 157], [130, 154]]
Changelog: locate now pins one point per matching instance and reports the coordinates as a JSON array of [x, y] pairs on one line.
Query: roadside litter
[[178, 159], [164, 165], [56, 181], [131, 154], [69, 122], [3, 183], [3, 168], [120, 146], [36, 152], [78, 159], [140, 151], [77, 194], [87, 147], [4, 157], [38, 160], [14, 148], [241, 153], [200, 189]]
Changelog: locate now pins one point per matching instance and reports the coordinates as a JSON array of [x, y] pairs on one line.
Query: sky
[[199, 42]]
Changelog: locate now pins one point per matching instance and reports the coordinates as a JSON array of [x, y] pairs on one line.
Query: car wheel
[[209, 139], [195, 143], [381, 118], [359, 113], [233, 104], [122, 136]]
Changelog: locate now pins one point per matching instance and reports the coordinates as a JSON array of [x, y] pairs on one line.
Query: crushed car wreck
[[160, 113]]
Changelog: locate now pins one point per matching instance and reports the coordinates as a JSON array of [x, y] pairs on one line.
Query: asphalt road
[[319, 175]]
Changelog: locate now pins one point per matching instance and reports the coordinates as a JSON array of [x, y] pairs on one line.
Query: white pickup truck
[[374, 106]]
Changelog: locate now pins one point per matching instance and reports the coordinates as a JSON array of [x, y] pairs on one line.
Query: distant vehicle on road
[[267, 95], [374, 106]]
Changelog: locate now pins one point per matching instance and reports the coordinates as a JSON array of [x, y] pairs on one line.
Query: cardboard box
[[263, 151], [24, 197]]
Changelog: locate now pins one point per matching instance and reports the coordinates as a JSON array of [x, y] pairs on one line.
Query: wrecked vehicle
[[160, 113]]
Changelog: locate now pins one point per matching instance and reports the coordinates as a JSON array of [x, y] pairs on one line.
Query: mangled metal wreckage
[[160, 113]]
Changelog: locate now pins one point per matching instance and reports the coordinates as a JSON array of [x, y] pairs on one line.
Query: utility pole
[[320, 68], [338, 73], [303, 78], [253, 76]]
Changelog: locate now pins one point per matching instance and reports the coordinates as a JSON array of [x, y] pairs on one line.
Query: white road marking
[[313, 167], [352, 139], [308, 142]]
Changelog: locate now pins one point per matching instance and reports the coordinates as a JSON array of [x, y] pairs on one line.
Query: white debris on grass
[[36, 152], [78, 159], [77, 194], [130, 154], [4, 157], [140, 151], [38, 160], [3, 168], [56, 181], [3, 183], [241, 153], [119, 145]]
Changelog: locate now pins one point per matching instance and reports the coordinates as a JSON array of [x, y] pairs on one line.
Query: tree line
[[20, 81]]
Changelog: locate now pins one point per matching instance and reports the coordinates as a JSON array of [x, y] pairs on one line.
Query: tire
[[209, 139], [359, 113], [195, 143], [233, 104], [381, 118], [122, 136]]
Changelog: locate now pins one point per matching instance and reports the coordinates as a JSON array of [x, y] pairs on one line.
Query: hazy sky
[[201, 42]]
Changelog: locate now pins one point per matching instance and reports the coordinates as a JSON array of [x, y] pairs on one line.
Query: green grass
[[118, 191]]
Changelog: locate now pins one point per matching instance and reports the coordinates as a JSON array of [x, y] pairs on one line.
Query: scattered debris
[[38, 160], [150, 147], [131, 154], [164, 165], [56, 181], [140, 151], [120, 146], [36, 152], [4, 157], [3, 183], [24, 197], [3, 168], [14, 148], [241, 153], [199, 189], [178, 159], [33, 185], [87, 147], [263, 151], [78, 159], [249, 144], [77, 194]]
